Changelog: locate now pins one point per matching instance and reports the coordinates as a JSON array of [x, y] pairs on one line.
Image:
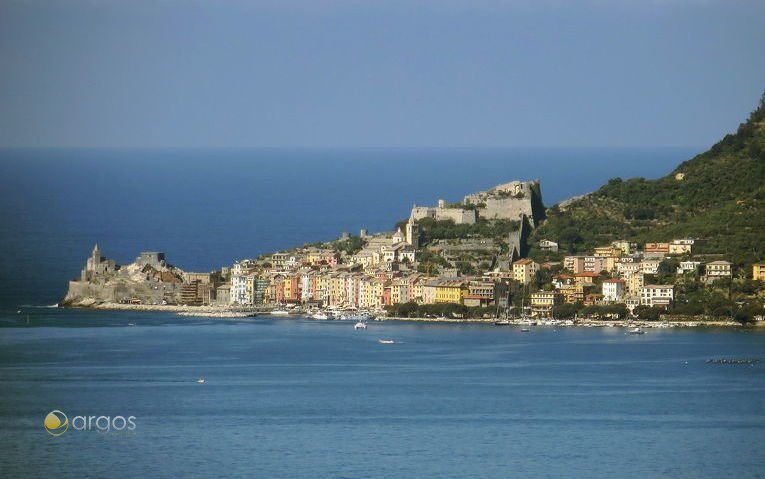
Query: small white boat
[[131, 324], [280, 312], [320, 315], [636, 331], [201, 381], [525, 330], [360, 325], [386, 341], [502, 322], [18, 311]]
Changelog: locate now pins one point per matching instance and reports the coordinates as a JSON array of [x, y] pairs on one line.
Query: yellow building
[[287, 287], [573, 293], [607, 251], [336, 290], [542, 302], [524, 270], [378, 287], [758, 272], [635, 283], [450, 292], [322, 287], [586, 278]]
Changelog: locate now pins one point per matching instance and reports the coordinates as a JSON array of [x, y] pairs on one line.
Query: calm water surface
[[295, 398]]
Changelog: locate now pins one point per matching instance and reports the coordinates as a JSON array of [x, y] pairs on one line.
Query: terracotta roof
[[475, 296]]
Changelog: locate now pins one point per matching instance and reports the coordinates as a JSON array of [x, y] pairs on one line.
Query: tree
[[566, 310], [648, 313]]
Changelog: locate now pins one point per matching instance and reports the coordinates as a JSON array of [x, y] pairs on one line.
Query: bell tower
[[412, 233]]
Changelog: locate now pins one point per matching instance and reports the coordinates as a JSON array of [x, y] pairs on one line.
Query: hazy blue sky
[[378, 73]]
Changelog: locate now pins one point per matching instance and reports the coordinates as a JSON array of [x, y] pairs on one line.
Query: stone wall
[[458, 215], [82, 293], [510, 201]]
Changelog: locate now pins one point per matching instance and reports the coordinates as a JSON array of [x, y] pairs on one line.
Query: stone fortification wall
[[506, 208], [510, 201], [420, 212], [458, 215]]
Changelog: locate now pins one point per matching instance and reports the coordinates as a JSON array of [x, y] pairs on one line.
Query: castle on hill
[[516, 200]]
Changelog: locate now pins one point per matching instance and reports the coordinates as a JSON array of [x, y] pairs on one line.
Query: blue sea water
[[307, 399], [302, 399], [208, 208]]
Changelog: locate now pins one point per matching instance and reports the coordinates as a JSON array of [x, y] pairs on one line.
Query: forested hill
[[719, 196]]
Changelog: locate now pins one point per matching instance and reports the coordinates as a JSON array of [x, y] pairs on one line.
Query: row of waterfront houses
[[344, 288], [380, 275]]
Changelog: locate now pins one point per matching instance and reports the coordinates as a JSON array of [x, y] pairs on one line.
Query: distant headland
[[685, 248]]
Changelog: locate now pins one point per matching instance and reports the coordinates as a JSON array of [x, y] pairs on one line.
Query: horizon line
[[217, 147]]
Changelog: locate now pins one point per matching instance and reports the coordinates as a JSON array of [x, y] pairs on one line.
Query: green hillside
[[719, 196]]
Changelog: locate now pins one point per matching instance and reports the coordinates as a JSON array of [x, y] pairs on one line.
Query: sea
[[294, 398]]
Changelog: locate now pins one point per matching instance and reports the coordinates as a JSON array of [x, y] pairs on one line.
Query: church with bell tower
[[97, 265]]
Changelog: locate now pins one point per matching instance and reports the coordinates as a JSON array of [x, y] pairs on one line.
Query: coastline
[[585, 323], [229, 312], [205, 311]]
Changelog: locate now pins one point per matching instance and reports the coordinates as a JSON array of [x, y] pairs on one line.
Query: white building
[[613, 289], [628, 269], [547, 245], [657, 295], [688, 266], [305, 286], [242, 287], [407, 253], [650, 266]]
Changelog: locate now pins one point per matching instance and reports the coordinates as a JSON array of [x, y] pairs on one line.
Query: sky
[[375, 73]]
